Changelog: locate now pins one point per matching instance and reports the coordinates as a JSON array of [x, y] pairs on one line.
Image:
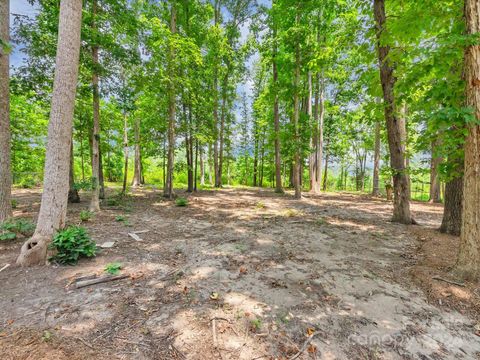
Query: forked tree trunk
[[395, 124], [276, 120], [53, 207], [137, 163], [468, 262], [125, 153], [73, 196], [168, 190], [95, 201], [376, 162], [452, 213], [5, 135]]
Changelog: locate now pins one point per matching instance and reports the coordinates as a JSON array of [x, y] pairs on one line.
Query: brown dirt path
[[238, 274]]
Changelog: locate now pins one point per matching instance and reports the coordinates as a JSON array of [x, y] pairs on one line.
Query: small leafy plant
[[85, 185], [113, 268], [85, 215], [71, 244], [14, 203], [9, 230], [181, 202]]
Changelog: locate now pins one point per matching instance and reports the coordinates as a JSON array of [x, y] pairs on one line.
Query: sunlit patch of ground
[[242, 274]]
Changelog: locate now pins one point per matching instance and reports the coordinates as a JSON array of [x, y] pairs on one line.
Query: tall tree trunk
[[5, 135], [202, 167], [217, 9], [296, 123], [318, 115], [101, 178], [276, 120], [452, 214], [53, 208], [395, 124], [255, 153], [125, 153], [218, 176], [195, 176], [168, 190], [137, 163], [325, 171], [95, 201], [468, 262], [211, 167], [73, 196], [376, 162], [434, 175]]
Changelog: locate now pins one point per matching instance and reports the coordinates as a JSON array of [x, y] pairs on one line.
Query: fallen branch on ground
[[99, 280], [5, 267], [448, 281], [304, 347], [135, 237]]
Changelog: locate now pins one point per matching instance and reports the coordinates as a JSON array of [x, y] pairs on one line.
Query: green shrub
[[9, 230], [14, 203], [181, 202], [85, 215], [86, 185], [112, 201], [27, 183], [71, 244], [113, 268]]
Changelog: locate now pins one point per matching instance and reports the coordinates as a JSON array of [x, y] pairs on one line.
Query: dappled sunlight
[[267, 271]]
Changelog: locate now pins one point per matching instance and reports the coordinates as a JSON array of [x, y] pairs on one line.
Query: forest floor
[[245, 274]]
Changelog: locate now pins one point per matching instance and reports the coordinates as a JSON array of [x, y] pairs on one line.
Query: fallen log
[[99, 280]]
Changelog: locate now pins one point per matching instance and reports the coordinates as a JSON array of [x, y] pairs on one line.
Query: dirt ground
[[245, 274]]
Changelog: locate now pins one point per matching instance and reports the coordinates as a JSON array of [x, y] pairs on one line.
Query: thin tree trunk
[[211, 167], [296, 123], [53, 208], [101, 179], [73, 196], [5, 135], [95, 201], [202, 167], [168, 190], [435, 196], [395, 124], [468, 262], [125, 153], [325, 172], [218, 177], [276, 120], [376, 162], [195, 176], [318, 115], [137, 164]]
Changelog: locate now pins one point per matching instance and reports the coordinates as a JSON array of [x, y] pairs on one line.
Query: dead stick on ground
[[448, 281], [214, 333], [99, 280], [5, 267], [304, 347], [84, 342]]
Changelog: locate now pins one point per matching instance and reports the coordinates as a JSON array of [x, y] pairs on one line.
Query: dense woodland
[[371, 96], [240, 179]]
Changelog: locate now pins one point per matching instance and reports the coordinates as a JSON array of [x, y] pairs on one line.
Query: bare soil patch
[[244, 274]]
